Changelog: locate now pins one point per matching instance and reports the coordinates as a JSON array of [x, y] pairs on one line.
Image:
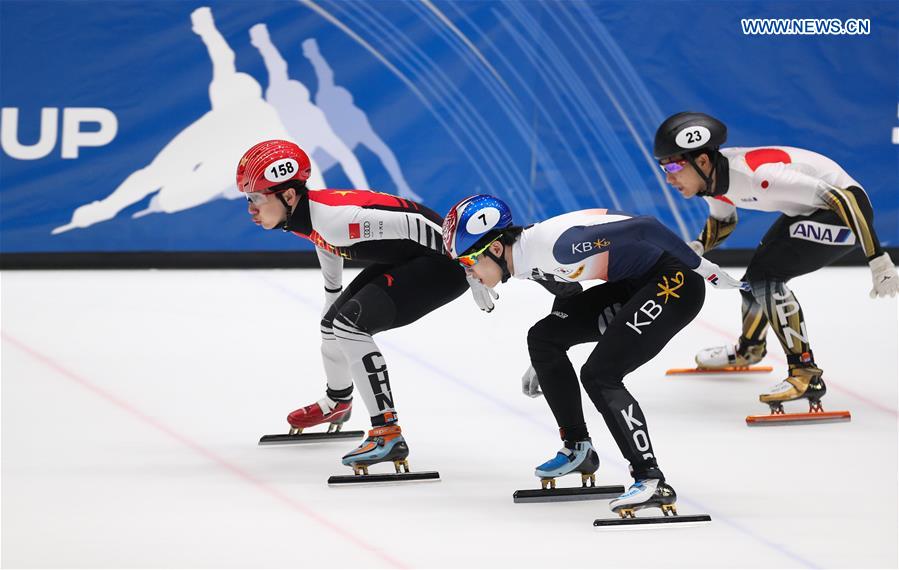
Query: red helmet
[[271, 163]]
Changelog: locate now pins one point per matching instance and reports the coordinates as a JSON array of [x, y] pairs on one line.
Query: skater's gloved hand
[[883, 274], [696, 247], [330, 297], [530, 384], [717, 277], [483, 295]]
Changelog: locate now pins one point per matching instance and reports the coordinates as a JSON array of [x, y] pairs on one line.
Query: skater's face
[[486, 270], [680, 174], [266, 210]]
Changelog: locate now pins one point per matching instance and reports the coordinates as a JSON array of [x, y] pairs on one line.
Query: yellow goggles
[[471, 259]]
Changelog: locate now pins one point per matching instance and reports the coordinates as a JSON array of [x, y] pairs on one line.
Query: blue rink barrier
[[122, 129]]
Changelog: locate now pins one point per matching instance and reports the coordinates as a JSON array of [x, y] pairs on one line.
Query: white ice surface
[[132, 402]]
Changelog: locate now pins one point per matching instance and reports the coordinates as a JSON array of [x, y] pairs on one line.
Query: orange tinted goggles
[[471, 259]]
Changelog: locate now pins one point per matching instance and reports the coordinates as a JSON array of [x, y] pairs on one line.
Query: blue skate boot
[[643, 494], [582, 459], [384, 443]]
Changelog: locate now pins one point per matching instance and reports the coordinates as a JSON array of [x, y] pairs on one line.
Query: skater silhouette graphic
[[349, 121], [197, 165], [305, 122]]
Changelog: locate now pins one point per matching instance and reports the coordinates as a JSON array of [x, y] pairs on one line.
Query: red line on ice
[[235, 470]]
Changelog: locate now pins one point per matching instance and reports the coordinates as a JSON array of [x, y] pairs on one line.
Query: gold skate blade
[[384, 478], [286, 438], [646, 523], [793, 419], [566, 494], [724, 370]]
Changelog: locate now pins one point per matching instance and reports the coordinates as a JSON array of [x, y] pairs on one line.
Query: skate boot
[[643, 494], [384, 443], [578, 456], [803, 382], [742, 355], [326, 410]]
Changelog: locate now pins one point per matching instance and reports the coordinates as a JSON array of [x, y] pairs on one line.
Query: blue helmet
[[471, 219]]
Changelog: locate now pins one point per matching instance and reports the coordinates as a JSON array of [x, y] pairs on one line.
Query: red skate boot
[[325, 411]]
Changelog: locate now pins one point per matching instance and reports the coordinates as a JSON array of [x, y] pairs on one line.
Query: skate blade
[[285, 438], [646, 523], [793, 419], [724, 370], [384, 478], [566, 494]]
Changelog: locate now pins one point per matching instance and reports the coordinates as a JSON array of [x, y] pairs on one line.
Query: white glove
[[483, 295], [883, 274], [330, 298], [717, 277], [530, 385], [697, 247]]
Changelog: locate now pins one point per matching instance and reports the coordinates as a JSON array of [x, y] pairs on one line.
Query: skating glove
[[330, 297], [883, 274], [717, 277], [530, 384], [483, 295], [696, 247]]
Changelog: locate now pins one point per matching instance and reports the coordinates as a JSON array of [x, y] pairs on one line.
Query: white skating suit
[[824, 213], [596, 244], [792, 181]]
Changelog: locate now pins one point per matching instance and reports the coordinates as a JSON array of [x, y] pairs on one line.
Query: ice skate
[[643, 494], [325, 411], [804, 382], [742, 355], [582, 459], [727, 359], [579, 458], [383, 444]]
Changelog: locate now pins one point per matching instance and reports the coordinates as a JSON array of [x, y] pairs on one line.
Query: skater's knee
[[764, 290], [370, 311], [598, 377], [760, 289], [748, 297], [349, 316], [544, 338], [327, 321]]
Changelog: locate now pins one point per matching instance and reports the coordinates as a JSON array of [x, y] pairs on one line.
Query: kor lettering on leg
[[651, 309], [641, 440], [378, 378]]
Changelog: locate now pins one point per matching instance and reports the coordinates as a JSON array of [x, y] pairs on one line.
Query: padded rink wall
[[122, 122]]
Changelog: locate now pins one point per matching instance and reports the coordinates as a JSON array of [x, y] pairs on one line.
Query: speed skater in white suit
[[825, 213]]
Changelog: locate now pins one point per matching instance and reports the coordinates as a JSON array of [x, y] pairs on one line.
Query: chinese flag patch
[[354, 231]]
